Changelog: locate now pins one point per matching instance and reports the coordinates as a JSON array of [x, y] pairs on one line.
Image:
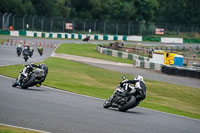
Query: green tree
[[146, 10], [62, 8], [45, 7]]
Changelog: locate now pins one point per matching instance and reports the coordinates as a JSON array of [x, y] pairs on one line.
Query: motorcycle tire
[[106, 104], [29, 83], [130, 104], [14, 84], [25, 58]]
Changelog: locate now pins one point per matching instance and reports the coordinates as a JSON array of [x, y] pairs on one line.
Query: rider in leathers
[[29, 68], [139, 86]]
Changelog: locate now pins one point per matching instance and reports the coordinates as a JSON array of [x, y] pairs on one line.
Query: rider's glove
[[121, 84]]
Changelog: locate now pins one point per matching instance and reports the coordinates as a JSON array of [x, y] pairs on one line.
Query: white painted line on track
[[24, 128], [52, 54], [104, 100]]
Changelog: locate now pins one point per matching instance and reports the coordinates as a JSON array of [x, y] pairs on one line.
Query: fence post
[[73, 24], [95, 23], [33, 22], [129, 26], [42, 23], [14, 21], [3, 19], [23, 21], [84, 24], [104, 29], [117, 27], [63, 25], [51, 25]]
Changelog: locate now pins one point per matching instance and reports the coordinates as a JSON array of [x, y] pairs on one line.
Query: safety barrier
[[148, 65], [181, 71], [120, 54], [98, 37], [138, 61]]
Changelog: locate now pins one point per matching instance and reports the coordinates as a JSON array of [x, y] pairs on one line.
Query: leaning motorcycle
[[40, 51], [87, 38], [123, 100], [29, 79]]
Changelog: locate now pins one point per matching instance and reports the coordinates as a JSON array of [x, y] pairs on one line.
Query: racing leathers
[[29, 68], [139, 90]]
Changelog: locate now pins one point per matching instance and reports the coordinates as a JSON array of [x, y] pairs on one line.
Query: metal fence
[[57, 24]]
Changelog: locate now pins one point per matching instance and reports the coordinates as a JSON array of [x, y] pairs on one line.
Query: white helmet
[[139, 77]]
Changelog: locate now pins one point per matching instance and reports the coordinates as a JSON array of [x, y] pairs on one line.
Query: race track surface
[[8, 55], [56, 111]]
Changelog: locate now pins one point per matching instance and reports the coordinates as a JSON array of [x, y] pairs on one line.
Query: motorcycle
[[123, 100], [40, 51], [87, 38], [29, 79], [19, 51], [31, 52]]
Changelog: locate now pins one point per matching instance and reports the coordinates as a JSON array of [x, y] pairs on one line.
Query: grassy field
[[8, 129], [88, 50], [98, 82]]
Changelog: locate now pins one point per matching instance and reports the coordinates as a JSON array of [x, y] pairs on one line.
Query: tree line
[[168, 11]]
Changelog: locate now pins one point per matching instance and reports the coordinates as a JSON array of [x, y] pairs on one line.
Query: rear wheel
[[29, 82], [130, 104]]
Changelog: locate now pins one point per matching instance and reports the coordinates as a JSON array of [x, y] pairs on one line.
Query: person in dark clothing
[[25, 51], [43, 67]]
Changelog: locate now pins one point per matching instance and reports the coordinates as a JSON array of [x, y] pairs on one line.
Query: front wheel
[[14, 84], [107, 104], [25, 58]]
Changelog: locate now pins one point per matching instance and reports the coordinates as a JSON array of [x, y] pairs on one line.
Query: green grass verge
[[98, 82], [87, 50], [8, 129]]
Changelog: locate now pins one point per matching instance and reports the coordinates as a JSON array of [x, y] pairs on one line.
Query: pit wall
[[99, 37]]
